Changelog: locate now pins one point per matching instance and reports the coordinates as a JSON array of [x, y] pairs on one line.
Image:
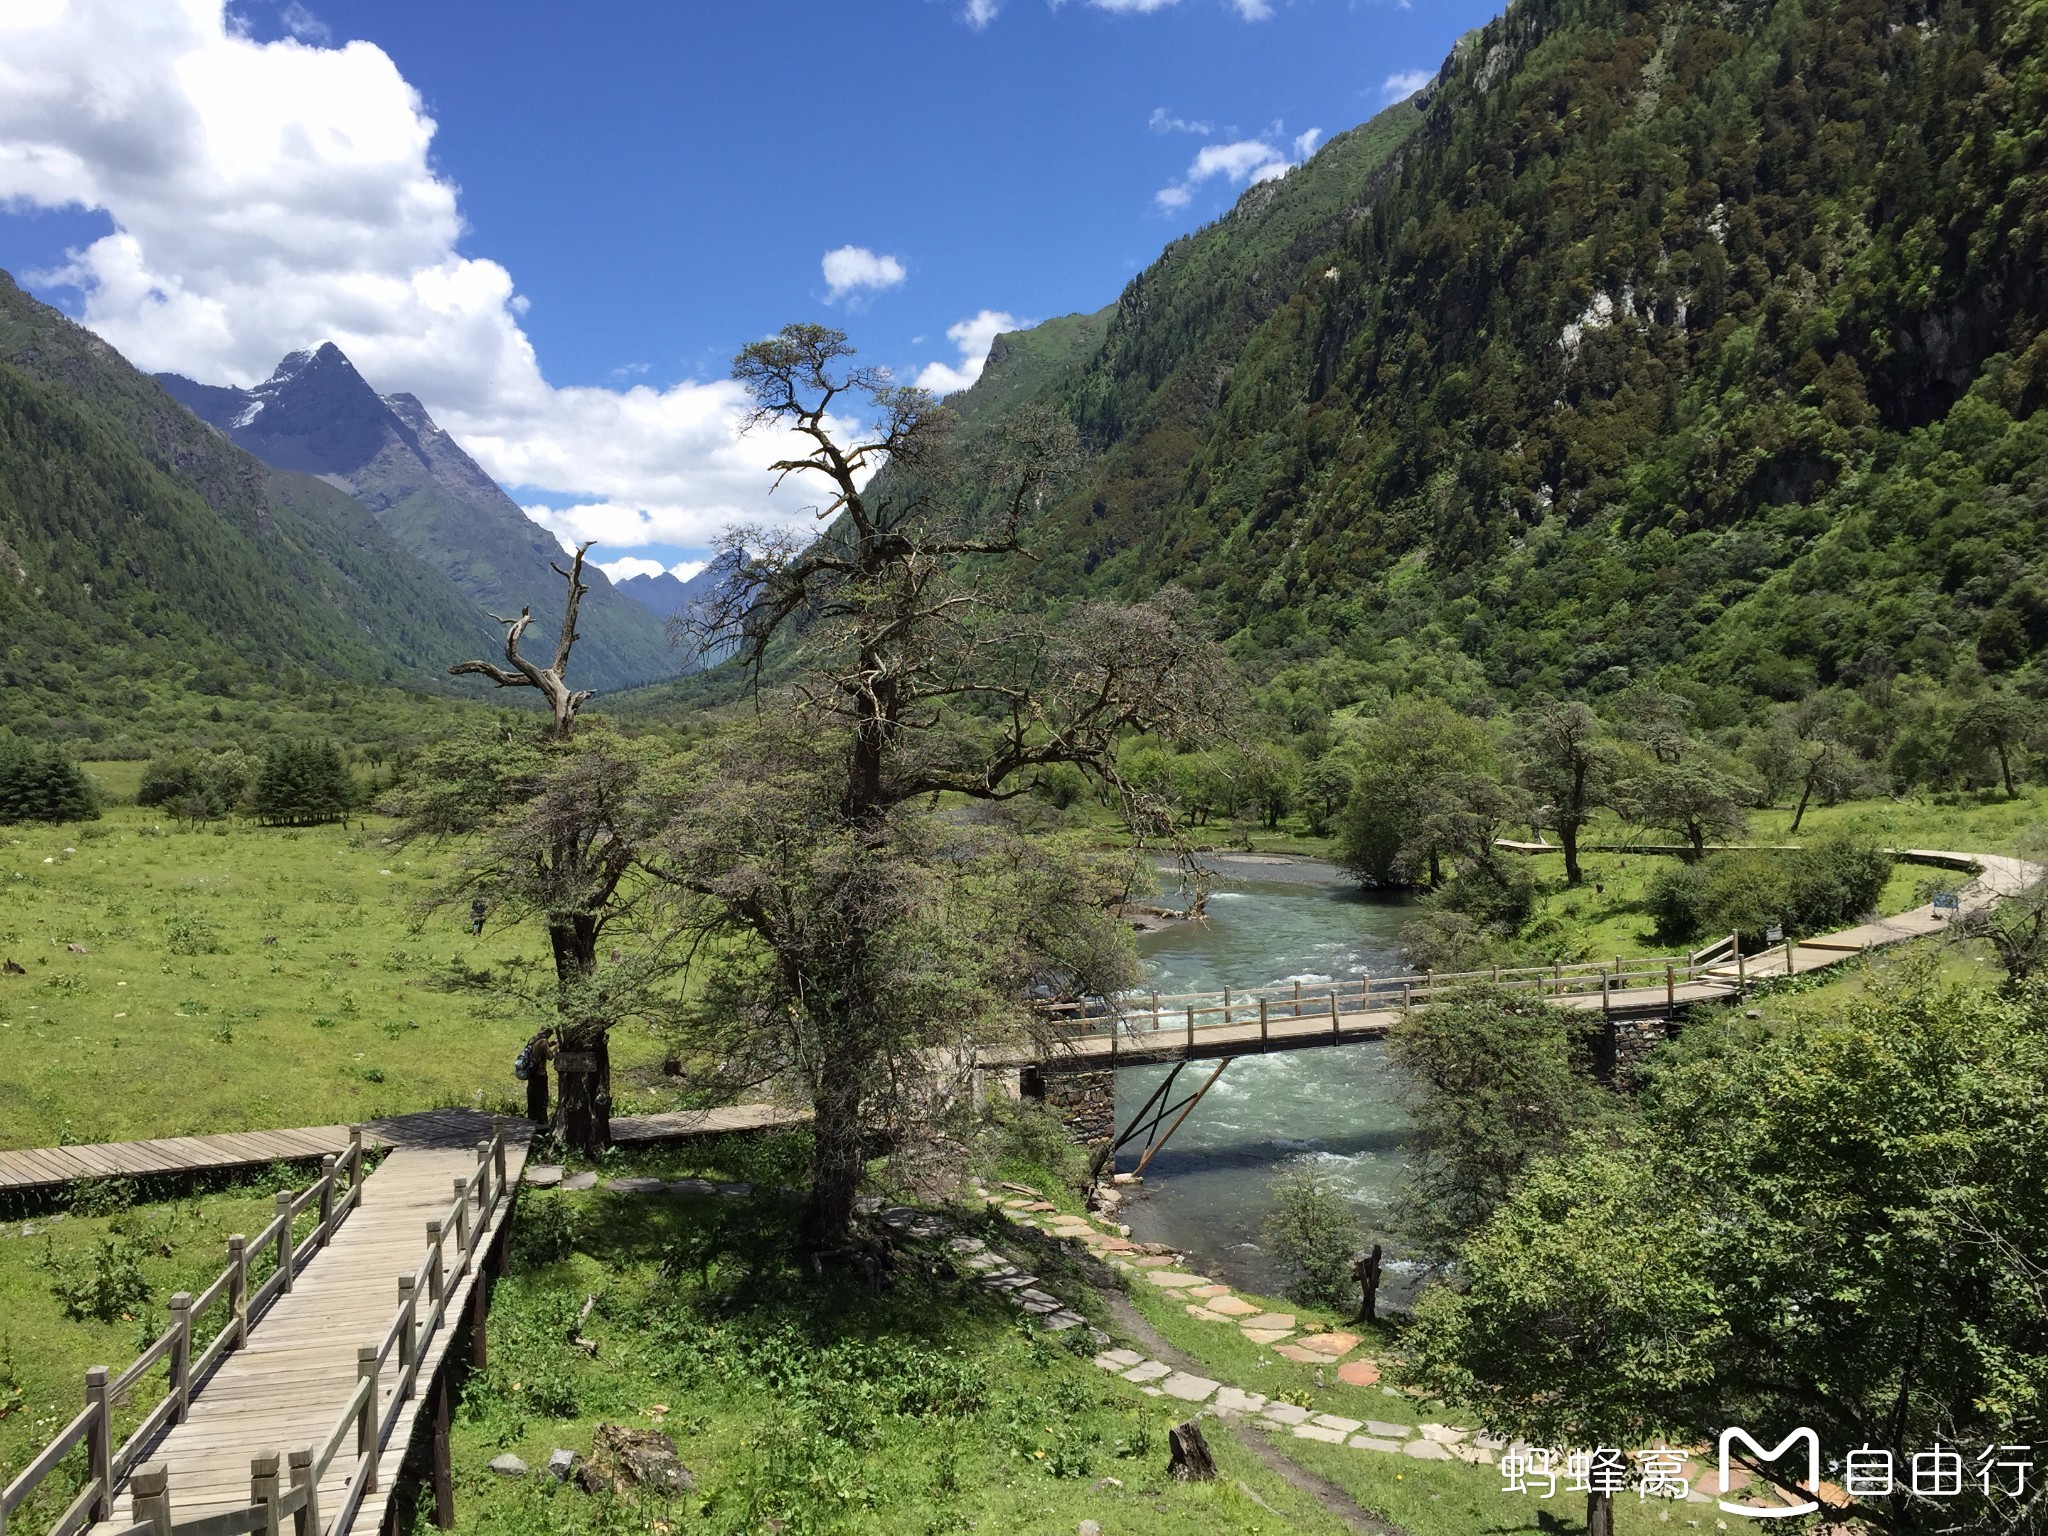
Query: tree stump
[[1190, 1461]]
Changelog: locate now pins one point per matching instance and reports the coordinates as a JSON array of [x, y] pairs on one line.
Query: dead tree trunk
[[1189, 1460], [518, 672]]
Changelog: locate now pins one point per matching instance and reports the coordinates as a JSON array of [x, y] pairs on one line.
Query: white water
[[1338, 1110]]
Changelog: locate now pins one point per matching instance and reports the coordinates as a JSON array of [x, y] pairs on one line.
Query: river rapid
[[1340, 1111]]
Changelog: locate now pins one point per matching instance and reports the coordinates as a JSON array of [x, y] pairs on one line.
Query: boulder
[[624, 1459], [508, 1466]]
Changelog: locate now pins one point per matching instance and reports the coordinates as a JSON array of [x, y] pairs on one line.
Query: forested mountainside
[[316, 414], [1691, 341], [141, 553]]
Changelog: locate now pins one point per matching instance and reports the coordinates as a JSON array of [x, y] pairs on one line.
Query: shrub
[[42, 784], [545, 1232], [1828, 884], [1677, 902], [1313, 1235], [104, 1285], [191, 935], [195, 788]]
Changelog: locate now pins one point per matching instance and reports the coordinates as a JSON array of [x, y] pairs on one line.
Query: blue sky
[[557, 224]]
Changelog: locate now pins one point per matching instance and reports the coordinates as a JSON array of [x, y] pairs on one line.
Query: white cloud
[[1240, 163], [1252, 10], [638, 565], [303, 24], [1132, 7], [979, 13], [1405, 83], [854, 268], [972, 336], [268, 196], [1163, 121]]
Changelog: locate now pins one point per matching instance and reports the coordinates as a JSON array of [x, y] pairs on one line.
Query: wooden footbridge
[[1140, 1028], [324, 1339], [1101, 1035]]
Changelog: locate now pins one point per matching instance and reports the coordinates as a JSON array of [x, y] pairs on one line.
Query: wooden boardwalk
[[46, 1167], [40, 1166], [291, 1385]]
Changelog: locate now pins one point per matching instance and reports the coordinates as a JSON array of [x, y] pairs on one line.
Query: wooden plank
[[299, 1368]]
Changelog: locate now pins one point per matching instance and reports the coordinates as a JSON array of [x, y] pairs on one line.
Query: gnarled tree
[[557, 826], [520, 672], [859, 928]]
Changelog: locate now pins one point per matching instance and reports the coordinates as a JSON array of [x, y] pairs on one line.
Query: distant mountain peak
[[318, 415]]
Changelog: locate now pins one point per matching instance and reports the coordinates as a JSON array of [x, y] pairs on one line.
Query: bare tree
[[813, 848], [519, 672]]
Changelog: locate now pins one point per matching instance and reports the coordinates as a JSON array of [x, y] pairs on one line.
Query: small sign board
[[1775, 934], [1947, 901]]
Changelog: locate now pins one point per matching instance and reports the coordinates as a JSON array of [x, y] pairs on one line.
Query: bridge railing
[[335, 1193], [284, 1491], [1135, 1015]]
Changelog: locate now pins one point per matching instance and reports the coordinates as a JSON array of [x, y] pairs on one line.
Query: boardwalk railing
[[1134, 1015], [284, 1492], [335, 1193]]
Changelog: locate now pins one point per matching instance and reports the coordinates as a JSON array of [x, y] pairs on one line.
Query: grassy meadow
[[233, 977], [803, 1404]]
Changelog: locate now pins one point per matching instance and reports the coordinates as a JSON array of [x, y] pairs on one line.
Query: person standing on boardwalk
[[531, 1068]]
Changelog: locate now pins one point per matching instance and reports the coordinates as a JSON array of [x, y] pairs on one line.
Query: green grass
[[819, 1403], [238, 977]]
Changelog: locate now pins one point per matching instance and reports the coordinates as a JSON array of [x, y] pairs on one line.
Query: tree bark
[[837, 1160], [585, 1115], [583, 1059], [1368, 1271], [1188, 1458], [1569, 836], [1799, 815], [1599, 1514]]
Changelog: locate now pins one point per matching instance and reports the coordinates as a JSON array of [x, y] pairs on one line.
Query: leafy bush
[[42, 784], [107, 1283], [1828, 884], [303, 783], [195, 788], [545, 1232], [191, 935], [1678, 902], [1313, 1235]]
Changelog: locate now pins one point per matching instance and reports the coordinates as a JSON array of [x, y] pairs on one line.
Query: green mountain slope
[[1676, 339], [139, 551]]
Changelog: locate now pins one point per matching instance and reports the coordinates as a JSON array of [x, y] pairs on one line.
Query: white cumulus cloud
[[979, 13], [1405, 83], [855, 268], [972, 336], [1240, 163], [1163, 121], [266, 197]]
